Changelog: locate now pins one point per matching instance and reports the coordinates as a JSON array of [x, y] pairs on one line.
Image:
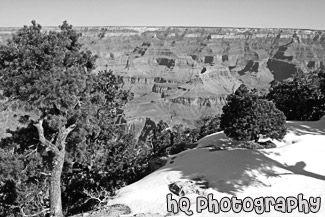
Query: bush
[[177, 148], [111, 166], [250, 145], [321, 76], [301, 98], [23, 179], [246, 117], [256, 145], [268, 144], [171, 140], [103, 164], [208, 125]]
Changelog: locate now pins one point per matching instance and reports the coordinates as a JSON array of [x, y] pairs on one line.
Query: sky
[[308, 14]]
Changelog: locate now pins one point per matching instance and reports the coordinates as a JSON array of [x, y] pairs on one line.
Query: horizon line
[[175, 26]]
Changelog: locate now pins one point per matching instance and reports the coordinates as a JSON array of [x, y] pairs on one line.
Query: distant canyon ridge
[[179, 74]]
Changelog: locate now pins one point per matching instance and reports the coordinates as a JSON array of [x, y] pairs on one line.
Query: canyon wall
[[179, 74]]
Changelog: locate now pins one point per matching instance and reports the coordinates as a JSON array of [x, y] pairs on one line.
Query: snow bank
[[295, 166]]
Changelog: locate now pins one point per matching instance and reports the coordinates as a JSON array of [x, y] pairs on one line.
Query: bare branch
[[42, 138], [62, 136], [32, 152], [70, 128], [45, 174], [93, 196]]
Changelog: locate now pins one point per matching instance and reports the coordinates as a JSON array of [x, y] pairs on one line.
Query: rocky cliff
[[179, 74]]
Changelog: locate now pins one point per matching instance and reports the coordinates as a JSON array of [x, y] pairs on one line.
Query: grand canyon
[[179, 74]]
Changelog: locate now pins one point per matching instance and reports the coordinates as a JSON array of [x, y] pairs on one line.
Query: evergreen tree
[[245, 117], [300, 98], [48, 74]]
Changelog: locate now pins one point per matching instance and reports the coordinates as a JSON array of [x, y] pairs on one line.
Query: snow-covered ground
[[296, 166]]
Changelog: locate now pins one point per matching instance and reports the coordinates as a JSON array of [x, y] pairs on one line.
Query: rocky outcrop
[[164, 89], [137, 84]]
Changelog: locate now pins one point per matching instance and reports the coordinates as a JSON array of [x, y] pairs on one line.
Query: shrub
[[268, 144], [177, 148], [245, 117], [256, 145], [23, 179], [301, 98], [113, 165], [250, 145], [171, 140], [321, 76], [208, 125]]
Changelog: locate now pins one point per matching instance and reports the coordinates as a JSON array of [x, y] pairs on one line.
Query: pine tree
[[245, 117], [300, 98], [48, 74]]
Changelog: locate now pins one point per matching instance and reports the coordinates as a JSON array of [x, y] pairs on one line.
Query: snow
[[295, 166]]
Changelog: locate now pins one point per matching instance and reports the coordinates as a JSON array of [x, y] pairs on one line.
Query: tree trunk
[[55, 185], [58, 149]]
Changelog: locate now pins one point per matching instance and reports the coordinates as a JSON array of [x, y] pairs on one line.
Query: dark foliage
[[300, 98], [252, 145], [208, 125], [256, 145], [111, 166], [321, 75], [246, 117], [23, 180], [50, 76], [166, 140], [172, 140]]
